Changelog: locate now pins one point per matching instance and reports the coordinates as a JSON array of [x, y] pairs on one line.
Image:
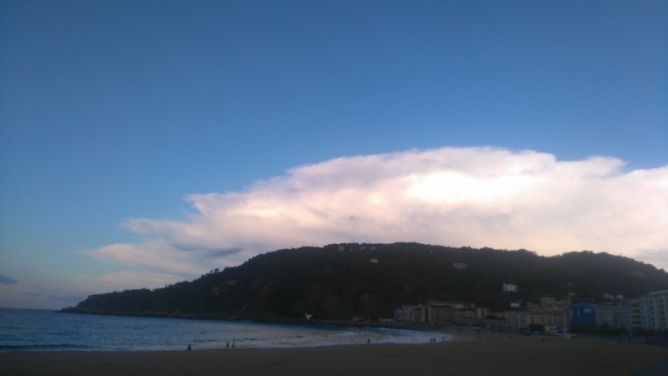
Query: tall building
[[613, 316], [654, 310], [635, 314], [583, 314]]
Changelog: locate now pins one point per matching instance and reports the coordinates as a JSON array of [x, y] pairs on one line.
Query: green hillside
[[342, 281]]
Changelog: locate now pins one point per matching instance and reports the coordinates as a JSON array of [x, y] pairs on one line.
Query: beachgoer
[[189, 348]]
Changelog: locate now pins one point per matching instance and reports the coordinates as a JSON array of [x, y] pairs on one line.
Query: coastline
[[42, 330], [496, 354]]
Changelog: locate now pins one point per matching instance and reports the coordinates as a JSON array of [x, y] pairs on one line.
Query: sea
[[41, 330]]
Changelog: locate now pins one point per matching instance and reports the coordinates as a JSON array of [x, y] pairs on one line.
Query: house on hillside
[[509, 287]]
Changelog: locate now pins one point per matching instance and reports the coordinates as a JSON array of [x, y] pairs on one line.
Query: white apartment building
[[654, 310]]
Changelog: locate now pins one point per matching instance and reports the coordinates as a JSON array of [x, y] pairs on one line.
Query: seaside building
[[635, 315], [413, 314], [454, 312], [583, 314], [613, 316], [654, 310], [441, 313], [649, 312], [517, 319], [553, 317]]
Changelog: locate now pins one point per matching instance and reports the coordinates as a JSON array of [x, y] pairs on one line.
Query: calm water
[[35, 330]]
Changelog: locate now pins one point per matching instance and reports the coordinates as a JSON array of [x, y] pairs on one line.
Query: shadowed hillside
[[342, 281]]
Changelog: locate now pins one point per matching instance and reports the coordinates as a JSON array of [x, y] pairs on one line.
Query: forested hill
[[342, 281]]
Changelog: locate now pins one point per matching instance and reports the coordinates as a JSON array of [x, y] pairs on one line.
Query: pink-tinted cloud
[[452, 196]]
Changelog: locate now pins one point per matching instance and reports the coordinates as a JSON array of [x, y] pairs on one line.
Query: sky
[[148, 142]]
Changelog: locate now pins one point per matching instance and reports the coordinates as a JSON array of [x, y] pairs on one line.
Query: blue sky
[[113, 110]]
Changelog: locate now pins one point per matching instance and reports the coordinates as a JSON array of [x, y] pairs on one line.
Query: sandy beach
[[497, 355]]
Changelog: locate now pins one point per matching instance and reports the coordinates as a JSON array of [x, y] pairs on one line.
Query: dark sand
[[493, 355]]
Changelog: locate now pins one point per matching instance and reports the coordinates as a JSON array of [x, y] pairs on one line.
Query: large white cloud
[[452, 196]]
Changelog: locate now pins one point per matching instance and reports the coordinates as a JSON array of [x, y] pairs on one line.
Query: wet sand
[[493, 355]]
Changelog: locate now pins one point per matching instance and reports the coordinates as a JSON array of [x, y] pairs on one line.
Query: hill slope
[[369, 280]]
